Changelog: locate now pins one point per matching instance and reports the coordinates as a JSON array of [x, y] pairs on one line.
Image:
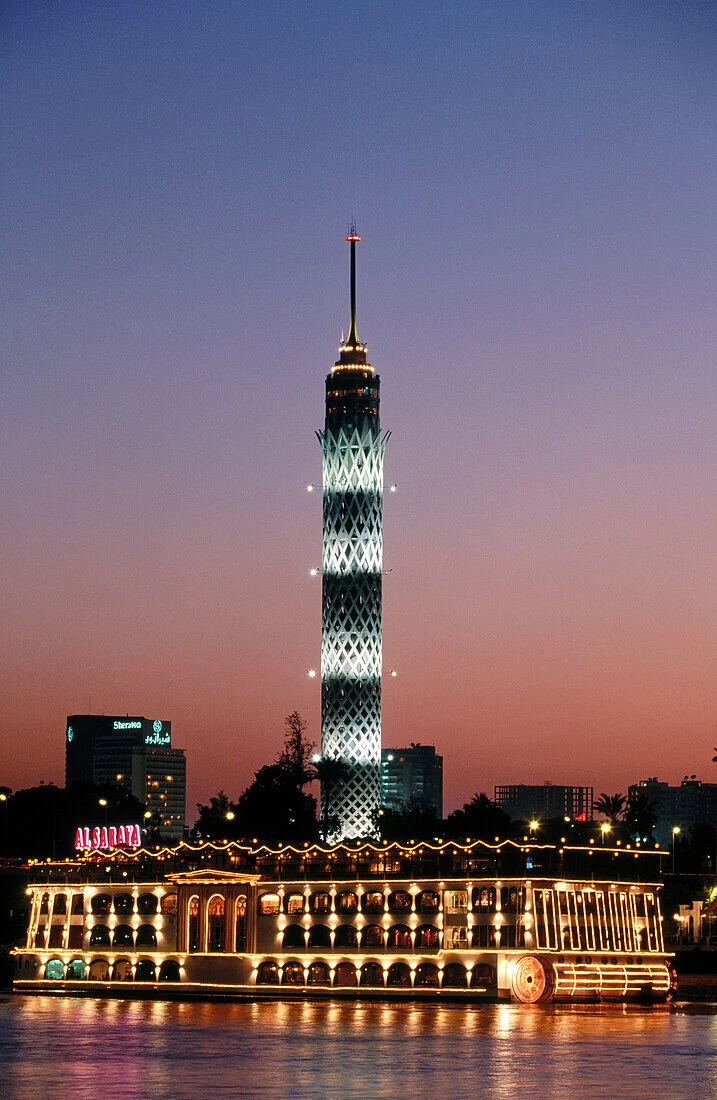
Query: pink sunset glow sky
[[535, 187]]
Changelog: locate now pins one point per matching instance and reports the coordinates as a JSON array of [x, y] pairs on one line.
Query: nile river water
[[76, 1047]]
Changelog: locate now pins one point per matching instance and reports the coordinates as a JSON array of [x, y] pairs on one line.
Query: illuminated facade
[[399, 921], [352, 450]]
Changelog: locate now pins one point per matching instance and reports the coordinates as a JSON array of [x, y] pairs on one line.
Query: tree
[[217, 820], [275, 805], [410, 821], [332, 775], [480, 818], [610, 806], [295, 757], [639, 817]]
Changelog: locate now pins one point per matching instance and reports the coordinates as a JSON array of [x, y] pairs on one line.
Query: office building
[[412, 779], [692, 803], [524, 802]]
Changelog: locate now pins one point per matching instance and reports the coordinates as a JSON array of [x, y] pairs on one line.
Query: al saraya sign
[[108, 836]]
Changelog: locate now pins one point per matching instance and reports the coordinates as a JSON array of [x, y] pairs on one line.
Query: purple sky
[[535, 186]]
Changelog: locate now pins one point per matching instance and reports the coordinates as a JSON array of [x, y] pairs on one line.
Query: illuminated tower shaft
[[352, 449]]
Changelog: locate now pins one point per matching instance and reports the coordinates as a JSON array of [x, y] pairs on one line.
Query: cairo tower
[[352, 450]]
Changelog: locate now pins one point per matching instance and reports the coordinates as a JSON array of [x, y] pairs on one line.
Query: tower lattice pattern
[[352, 562]]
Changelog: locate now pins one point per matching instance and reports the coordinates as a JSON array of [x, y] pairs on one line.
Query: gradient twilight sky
[[535, 187]]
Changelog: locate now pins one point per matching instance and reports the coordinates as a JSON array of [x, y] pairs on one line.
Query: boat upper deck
[[362, 861]]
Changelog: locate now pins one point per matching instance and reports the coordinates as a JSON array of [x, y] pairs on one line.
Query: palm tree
[[332, 774], [610, 806], [640, 816]]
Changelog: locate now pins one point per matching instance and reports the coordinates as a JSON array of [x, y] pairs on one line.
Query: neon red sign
[[108, 836]]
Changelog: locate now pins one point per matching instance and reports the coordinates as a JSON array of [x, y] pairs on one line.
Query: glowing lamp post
[[3, 799], [605, 828], [675, 831]]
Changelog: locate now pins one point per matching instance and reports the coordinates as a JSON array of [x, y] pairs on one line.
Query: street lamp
[[103, 802], [533, 826], [605, 828], [3, 799], [675, 831]]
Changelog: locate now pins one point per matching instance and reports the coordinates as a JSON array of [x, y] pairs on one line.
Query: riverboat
[[472, 921]]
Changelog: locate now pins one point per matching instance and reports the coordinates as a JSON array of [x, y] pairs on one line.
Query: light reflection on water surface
[[94, 1048]]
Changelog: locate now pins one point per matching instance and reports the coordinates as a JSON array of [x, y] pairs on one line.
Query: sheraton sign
[[108, 836]]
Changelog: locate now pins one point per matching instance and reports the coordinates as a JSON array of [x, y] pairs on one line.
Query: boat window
[[294, 903], [193, 923], [428, 902], [454, 976], [147, 904], [399, 936], [59, 906], [122, 971], [372, 974], [372, 903], [372, 936], [268, 973], [122, 936], [77, 970], [74, 940], [168, 904], [146, 936], [345, 974], [99, 970], [269, 905], [427, 976], [78, 904], [456, 901], [399, 902], [320, 903], [319, 974], [293, 974], [293, 936], [100, 936], [240, 927], [146, 971], [346, 902], [57, 932], [124, 905], [319, 936], [427, 936], [54, 970], [169, 971], [399, 975], [346, 936], [101, 903]]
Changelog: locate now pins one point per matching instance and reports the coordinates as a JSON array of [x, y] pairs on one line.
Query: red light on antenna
[[352, 237]]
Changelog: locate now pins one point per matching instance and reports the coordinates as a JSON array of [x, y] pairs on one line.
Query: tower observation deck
[[352, 450]]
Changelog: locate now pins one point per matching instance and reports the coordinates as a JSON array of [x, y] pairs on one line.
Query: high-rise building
[[412, 779], [133, 753], [681, 808], [159, 780], [352, 450], [524, 801]]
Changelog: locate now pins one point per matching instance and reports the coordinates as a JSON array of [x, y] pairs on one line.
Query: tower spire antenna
[[352, 238]]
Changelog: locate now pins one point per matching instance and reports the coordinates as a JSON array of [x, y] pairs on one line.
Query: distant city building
[[524, 802], [159, 779], [133, 753], [412, 778], [692, 803]]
